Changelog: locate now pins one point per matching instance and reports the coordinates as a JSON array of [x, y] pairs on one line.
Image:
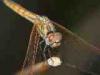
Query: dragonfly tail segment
[[20, 10]]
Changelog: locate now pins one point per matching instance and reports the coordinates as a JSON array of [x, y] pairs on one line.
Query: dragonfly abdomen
[[21, 10]]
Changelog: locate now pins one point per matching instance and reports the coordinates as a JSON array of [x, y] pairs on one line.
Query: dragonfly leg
[[49, 53], [40, 45], [44, 52], [41, 42]]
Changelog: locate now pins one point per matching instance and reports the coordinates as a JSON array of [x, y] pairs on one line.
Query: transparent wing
[[32, 48], [76, 53]]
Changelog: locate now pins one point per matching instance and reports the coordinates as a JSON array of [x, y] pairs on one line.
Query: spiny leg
[[44, 52], [40, 50], [49, 54]]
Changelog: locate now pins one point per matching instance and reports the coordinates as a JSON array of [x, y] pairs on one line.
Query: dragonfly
[[47, 41]]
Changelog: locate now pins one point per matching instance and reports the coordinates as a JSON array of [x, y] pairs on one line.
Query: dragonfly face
[[54, 39]]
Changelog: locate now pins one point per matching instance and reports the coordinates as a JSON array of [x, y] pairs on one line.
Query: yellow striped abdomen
[[21, 10]]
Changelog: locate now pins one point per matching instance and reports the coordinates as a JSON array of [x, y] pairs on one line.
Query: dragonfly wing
[[74, 50], [32, 47]]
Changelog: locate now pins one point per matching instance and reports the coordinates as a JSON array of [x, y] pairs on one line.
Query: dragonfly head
[[54, 39]]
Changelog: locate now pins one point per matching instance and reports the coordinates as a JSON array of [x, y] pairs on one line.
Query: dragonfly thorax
[[53, 39]]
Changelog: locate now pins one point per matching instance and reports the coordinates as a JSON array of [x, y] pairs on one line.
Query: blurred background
[[80, 16]]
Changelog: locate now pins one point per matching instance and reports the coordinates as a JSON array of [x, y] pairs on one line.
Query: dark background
[[80, 16]]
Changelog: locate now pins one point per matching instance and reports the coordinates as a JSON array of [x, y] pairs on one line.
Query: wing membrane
[[32, 48], [75, 53]]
